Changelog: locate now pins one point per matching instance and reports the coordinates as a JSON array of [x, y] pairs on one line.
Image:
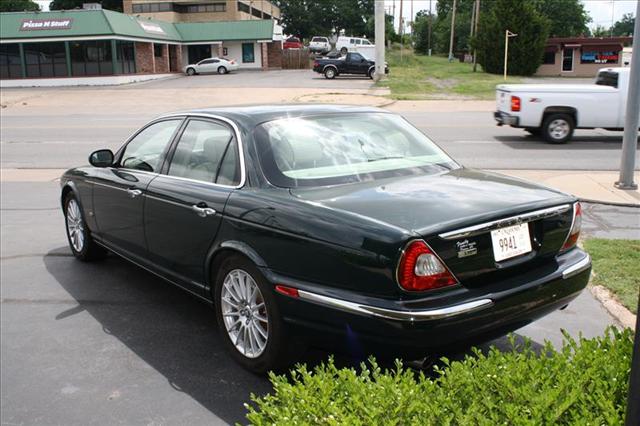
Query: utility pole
[[380, 19], [630, 138], [507, 34], [453, 29], [430, 23], [413, 19], [400, 23], [475, 32]]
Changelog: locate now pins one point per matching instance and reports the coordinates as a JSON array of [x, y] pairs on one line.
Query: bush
[[584, 383]]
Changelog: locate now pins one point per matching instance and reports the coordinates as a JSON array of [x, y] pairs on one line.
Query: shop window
[[549, 58], [10, 66], [45, 59], [248, 55], [198, 52], [126, 57], [157, 50], [91, 58]]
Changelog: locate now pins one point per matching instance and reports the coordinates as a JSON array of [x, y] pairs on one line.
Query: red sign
[[45, 24]]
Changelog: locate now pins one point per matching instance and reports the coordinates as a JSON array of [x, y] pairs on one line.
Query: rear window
[[335, 149], [607, 78], [320, 39], [293, 40]]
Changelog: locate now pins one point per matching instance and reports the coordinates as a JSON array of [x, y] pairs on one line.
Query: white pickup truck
[[554, 111]]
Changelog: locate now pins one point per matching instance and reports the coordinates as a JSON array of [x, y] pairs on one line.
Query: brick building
[[202, 10], [79, 43]]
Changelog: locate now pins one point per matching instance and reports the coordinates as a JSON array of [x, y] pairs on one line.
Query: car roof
[[251, 115]]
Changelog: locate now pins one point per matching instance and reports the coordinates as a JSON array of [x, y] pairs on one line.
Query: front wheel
[[248, 317], [330, 73], [222, 70], [81, 243], [558, 128], [190, 72]]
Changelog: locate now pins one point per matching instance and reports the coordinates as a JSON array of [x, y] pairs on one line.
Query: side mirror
[[101, 158]]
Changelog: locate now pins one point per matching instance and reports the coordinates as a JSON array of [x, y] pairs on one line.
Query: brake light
[[515, 103], [315, 64], [420, 269], [233, 61], [574, 233]]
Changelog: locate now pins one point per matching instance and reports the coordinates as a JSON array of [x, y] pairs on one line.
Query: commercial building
[[79, 43], [581, 56], [202, 10]]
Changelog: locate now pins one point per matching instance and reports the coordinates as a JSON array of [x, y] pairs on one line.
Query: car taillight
[[233, 61], [574, 233], [420, 269], [515, 103], [315, 64]]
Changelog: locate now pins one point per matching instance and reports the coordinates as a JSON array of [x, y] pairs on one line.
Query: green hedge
[[585, 383]]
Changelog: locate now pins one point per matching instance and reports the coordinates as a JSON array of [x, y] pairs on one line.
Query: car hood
[[433, 203]]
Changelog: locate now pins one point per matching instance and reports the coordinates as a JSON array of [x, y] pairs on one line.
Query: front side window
[[207, 152], [335, 149], [146, 150]]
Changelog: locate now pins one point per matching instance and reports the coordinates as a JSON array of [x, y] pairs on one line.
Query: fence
[[296, 59]]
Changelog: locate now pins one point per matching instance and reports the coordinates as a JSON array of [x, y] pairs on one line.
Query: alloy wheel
[[244, 313], [559, 129], [75, 227]]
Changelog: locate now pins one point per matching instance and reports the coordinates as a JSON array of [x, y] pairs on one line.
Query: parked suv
[[319, 45], [346, 44]]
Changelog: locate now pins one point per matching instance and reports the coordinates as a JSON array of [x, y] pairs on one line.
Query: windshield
[[334, 149]]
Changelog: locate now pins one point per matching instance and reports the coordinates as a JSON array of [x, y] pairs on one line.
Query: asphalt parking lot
[[108, 343]]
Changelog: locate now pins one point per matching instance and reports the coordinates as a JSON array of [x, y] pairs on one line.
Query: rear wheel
[[248, 317], [371, 72], [222, 70], [330, 73], [558, 128], [81, 243], [191, 71]]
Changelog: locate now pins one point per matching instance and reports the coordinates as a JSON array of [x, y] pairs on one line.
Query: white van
[[355, 44]]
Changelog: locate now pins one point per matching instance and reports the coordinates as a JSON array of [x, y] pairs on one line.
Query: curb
[[609, 203], [615, 309]]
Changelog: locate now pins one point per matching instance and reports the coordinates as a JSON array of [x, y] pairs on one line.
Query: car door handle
[[203, 211], [133, 193]]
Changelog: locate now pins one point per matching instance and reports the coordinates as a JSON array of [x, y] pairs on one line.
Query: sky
[[601, 11]]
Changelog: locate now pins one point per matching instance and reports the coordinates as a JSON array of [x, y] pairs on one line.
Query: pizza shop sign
[[45, 24]]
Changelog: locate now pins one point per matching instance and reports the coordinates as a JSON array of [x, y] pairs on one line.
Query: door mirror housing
[[101, 158]]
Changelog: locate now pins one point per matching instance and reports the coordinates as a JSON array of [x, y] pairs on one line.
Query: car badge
[[466, 248]]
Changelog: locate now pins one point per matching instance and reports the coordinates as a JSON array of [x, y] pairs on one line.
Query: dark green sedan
[[327, 225]]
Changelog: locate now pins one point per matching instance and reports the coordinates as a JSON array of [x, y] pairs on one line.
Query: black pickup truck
[[351, 63]]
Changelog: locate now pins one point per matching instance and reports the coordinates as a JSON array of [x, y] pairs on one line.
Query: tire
[[276, 352], [344, 51], [558, 128], [222, 70], [81, 243], [371, 72], [330, 73], [191, 72], [535, 131]]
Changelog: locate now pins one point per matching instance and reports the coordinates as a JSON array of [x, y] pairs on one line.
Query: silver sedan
[[212, 65]]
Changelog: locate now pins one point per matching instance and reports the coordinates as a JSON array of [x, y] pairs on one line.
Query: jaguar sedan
[[327, 225]]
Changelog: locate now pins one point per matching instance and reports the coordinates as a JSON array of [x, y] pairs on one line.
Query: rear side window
[[607, 78], [207, 151], [145, 151]]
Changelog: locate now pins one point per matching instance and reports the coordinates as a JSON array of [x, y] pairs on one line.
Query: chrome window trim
[[495, 224], [236, 131], [393, 314]]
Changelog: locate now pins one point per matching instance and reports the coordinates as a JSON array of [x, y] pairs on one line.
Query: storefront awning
[[602, 48]]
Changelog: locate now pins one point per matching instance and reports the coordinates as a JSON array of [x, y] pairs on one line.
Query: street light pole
[[507, 35], [630, 138], [379, 30]]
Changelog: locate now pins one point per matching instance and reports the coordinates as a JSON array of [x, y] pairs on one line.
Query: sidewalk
[[586, 185]]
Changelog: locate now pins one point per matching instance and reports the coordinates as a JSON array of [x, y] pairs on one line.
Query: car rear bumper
[[493, 310], [504, 118]]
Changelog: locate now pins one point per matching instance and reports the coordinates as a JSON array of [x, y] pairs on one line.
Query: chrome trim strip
[[236, 130], [577, 267], [495, 224], [186, 206], [392, 314], [106, 186]]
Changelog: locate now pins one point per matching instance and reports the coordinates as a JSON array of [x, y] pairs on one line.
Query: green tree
[[441, 29], [18, 6], [600, 31], [624, 27], [525, 50], [567, 18], [421, 31], [77, 4], [389, 28]]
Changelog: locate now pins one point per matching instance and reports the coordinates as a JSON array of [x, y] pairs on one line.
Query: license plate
[[510, 242]]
